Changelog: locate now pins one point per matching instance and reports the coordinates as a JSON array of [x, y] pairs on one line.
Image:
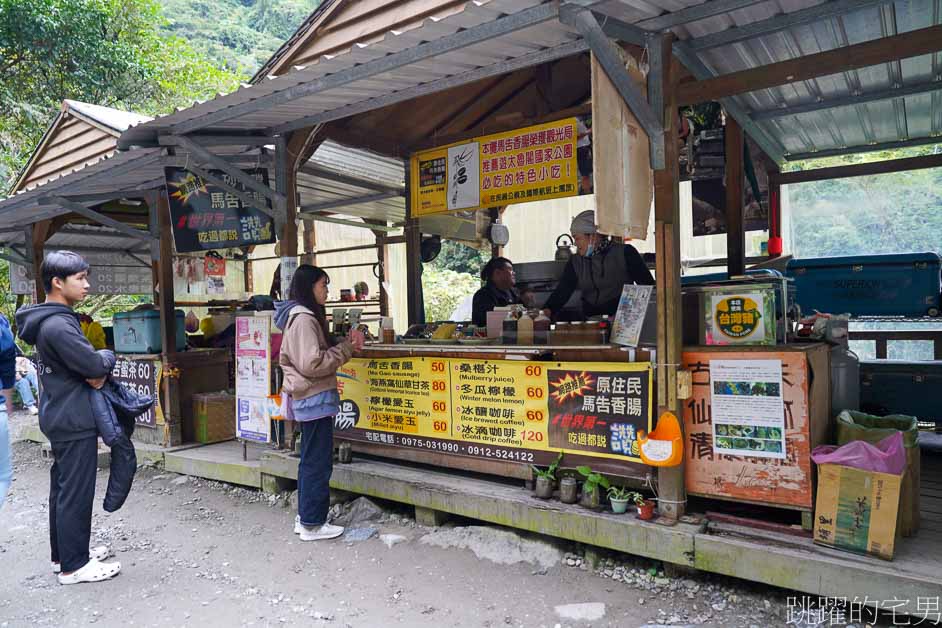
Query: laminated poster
[[747, 406], [629, 319], [253, 376]]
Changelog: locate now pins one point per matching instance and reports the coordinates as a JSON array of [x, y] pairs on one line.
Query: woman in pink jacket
[[309, 362]]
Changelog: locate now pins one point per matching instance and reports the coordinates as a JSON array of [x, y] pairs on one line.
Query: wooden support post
[[414, 272], [672, 491], [414, 295], [168, 320], [310, 243], [735, 233], [382, 258], [249, 271], [285, 183], [153, 224], [430, 518], [36, 236]]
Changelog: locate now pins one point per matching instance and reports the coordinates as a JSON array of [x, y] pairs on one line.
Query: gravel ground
[[202, 553]]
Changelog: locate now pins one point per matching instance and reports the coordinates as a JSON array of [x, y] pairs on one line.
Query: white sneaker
[[33, 410], [326, 531], [93, 571], [99, 553]]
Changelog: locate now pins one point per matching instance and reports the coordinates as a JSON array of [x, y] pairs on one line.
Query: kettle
[[564, 244]]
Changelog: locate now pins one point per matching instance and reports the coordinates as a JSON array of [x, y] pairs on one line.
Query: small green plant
[[549, 472], [593, 480], [637, 498], [621, 493]]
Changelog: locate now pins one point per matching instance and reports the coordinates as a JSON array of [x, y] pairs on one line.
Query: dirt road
[[200, 553]]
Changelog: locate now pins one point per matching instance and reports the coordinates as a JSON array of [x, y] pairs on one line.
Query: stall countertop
[[792, 346], [522, 349]]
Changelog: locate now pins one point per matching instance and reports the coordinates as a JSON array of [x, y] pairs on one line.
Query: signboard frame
[[253, 377], [534, 163], [503, 410]]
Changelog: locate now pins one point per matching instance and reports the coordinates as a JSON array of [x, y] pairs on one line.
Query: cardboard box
[[857, 510], [213, 417]]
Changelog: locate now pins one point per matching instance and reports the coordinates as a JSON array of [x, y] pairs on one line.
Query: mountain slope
[[242, 34]]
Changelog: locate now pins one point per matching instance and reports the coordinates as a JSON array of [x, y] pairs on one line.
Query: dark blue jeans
[[317, 463], [71, 497]]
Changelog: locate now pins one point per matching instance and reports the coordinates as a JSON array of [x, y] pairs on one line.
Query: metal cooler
[[869, 285]]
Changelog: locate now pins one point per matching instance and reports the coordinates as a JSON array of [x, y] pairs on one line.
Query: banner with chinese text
[[500, 409], [206, 217], [143, 377], [540, 162]]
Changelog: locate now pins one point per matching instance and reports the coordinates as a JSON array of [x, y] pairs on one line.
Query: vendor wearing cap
[[600, 268], [498, 291]]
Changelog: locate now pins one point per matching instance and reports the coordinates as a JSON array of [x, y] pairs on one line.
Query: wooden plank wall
[[71, 145]]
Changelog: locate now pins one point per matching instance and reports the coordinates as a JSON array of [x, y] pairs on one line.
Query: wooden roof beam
[[903, 46], [100, 218], [857, 170]]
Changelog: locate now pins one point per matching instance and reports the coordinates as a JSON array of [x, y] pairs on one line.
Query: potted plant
[[645, 506], [546, 478], [568, 490], [619, 496], [591, 496]]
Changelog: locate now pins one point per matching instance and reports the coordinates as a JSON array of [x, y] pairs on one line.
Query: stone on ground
[[589, 611], [392, 539], [355, 535], [499, 546]]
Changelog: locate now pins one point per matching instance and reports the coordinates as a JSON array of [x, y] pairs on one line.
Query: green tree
[[889, 213], [444, 289], [106, 52], [460, 258]]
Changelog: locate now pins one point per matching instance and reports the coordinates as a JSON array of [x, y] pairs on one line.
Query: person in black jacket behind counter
[[498, 291], [600, 269]]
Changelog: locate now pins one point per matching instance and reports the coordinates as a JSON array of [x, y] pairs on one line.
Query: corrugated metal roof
[[114, 119], [499, 36], [338, 173], [139, 169], [861, 125], [369, 92]]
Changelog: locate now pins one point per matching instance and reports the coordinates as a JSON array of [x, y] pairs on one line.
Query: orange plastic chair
[[664, 447]]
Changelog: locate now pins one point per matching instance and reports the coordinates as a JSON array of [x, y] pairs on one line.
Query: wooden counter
[[567, 353], [184, 374]]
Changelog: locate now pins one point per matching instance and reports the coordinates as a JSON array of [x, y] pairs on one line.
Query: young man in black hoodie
[[69, 370]]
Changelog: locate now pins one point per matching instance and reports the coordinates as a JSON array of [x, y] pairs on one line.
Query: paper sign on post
[[629, 319]]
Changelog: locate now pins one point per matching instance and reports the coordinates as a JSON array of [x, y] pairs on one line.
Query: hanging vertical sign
[[206, 217], [289, 265]]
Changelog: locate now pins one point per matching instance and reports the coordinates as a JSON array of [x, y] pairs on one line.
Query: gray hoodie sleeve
[[66, 339]]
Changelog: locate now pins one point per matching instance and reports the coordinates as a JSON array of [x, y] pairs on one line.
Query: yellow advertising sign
[[499, 409], [531, 164]]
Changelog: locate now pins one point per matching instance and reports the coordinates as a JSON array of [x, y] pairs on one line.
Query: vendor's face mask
[[590, 250]]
